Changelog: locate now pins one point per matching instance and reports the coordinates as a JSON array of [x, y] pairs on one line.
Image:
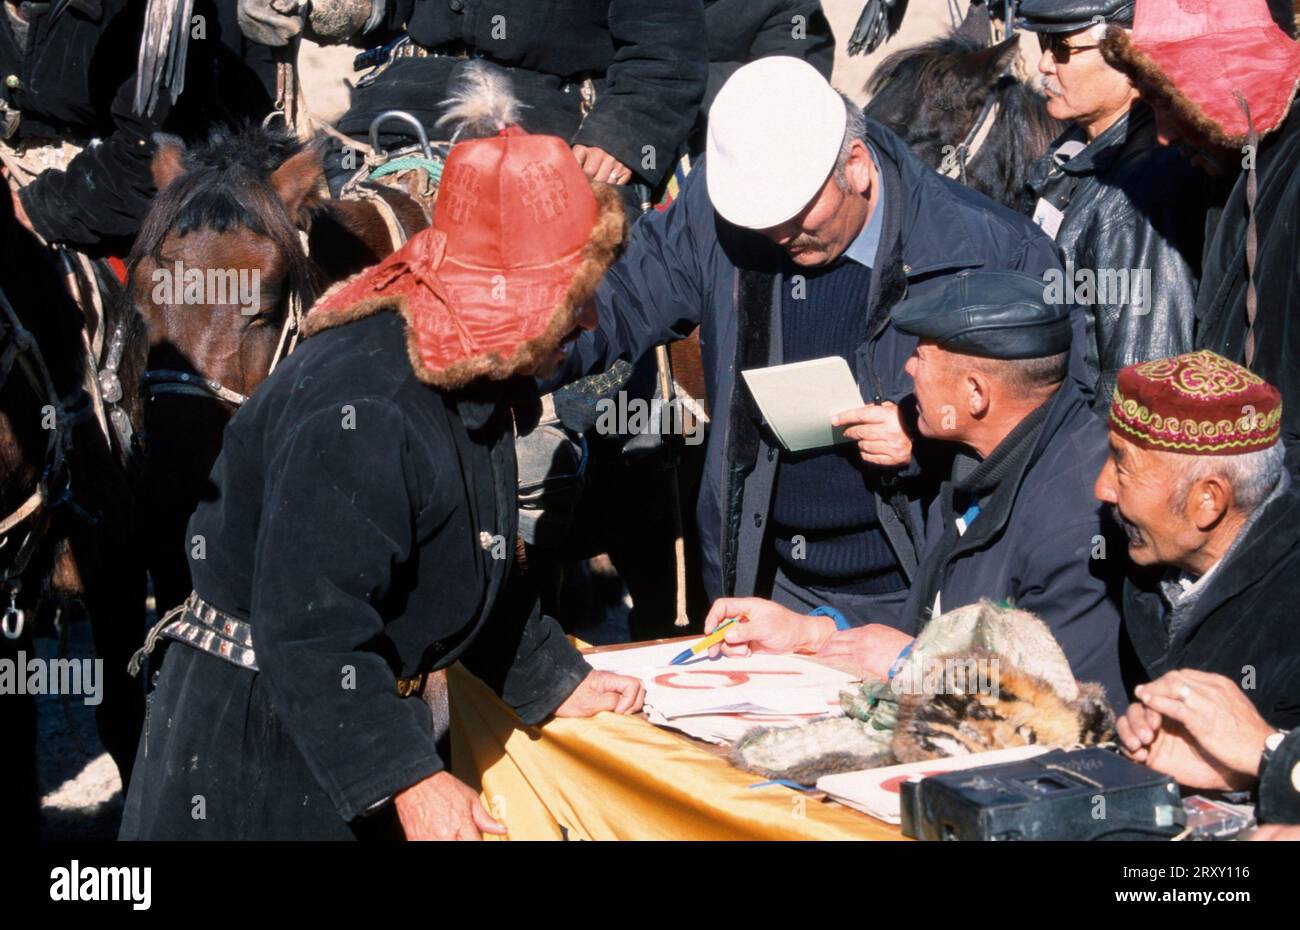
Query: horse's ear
[[168, 159], [299, 176], [989, 63]]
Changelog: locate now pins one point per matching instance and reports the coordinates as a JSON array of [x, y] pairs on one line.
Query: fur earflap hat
[[519, 242], [1208, 58]]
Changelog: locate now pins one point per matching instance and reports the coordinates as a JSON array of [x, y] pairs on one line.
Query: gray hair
[[855, 127], [1252, 475]]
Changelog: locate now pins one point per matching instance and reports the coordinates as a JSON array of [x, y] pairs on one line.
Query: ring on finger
[[1184, 693]]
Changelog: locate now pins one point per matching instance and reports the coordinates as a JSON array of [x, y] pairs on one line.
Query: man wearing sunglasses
[[1127, 215]]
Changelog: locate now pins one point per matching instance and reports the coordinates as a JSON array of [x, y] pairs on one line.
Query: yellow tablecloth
[[613, 777]]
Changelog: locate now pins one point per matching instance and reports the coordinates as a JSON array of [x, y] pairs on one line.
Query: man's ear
[[978, 393], [1209, 500], [168, 159], [858, 169]]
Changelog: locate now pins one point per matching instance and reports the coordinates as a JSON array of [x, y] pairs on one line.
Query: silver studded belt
[[213, 631]]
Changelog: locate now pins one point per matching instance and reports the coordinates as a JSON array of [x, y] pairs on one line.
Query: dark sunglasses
[[1058, 44]]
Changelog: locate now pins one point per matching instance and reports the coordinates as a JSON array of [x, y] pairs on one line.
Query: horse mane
[[1021, 135], [226, 186], [931, 94]]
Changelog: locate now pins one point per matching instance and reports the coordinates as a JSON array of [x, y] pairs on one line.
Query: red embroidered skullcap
[[1197, 404]]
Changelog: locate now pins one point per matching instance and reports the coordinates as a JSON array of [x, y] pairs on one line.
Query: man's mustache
[[805, 243], [1130, 529]]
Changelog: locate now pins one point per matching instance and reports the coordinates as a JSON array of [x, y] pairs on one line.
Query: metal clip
[[404, 117], [13, 621]]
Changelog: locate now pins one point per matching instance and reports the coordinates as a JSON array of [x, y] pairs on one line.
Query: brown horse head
[[213, 271], [219, 254]]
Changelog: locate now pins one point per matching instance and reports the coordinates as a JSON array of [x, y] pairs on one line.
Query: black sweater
[[824, 512]]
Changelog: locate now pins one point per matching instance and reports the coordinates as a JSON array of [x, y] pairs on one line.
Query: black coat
[[1221, 304], [364, 525], [1244, 624], [686, 267], [1041, 540], [741, 31], [647, 58], [1279, 784], [1131, 205], [76, 81]]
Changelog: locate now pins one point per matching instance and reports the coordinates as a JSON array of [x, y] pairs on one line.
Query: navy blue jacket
[[1243, 625], [1043, 541], [686, 267]]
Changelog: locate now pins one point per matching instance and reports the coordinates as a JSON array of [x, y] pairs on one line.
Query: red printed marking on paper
[[893, 785], [733, 679]]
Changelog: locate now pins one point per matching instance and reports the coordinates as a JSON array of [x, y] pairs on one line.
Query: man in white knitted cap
[[792, 240]]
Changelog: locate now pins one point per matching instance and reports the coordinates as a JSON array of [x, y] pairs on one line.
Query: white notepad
[[800, 399]]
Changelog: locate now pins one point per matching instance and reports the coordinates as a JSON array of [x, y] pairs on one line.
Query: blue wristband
[[841, 623]]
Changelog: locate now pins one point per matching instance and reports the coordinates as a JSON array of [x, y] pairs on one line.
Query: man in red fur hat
[[1222, 80], [361, 530]]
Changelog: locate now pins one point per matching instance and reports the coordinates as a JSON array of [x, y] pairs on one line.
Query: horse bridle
[[954, 163], [54, 488], [159, 381]]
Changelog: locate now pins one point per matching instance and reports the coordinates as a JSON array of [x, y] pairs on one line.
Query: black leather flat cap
[[1073, 15], [990, 314]]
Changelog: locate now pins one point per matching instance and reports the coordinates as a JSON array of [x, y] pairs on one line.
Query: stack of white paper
[[720, 700]]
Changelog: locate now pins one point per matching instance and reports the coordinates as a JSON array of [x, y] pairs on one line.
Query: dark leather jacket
[[1130, 205]]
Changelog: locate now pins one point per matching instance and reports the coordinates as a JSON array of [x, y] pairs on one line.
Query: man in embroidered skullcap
[[1222, 80], [361, 532], [1196, 478]]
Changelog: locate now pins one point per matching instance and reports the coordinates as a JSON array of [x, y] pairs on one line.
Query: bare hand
[[878, 431], [599, 165], [271, 22], [442, 807], [1215, 713], [620, 694], [1155, 732], [870, 650], [765, 627]]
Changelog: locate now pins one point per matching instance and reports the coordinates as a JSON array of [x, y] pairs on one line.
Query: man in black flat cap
[[1017, 518], [1127, 213]]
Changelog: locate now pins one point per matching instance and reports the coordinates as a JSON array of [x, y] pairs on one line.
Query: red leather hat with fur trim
[[1202, 53], [1197, 404], [519, 242]]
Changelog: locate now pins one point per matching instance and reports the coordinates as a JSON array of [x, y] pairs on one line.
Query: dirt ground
[[81, 791]]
